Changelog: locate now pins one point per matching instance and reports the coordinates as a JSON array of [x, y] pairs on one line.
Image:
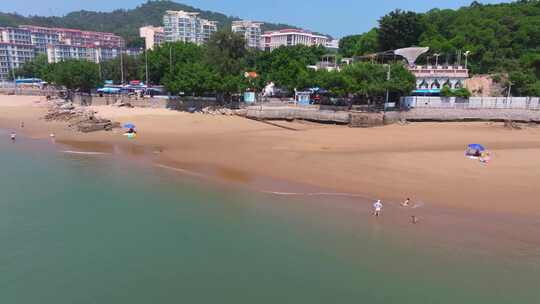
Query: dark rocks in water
[[80, 119]]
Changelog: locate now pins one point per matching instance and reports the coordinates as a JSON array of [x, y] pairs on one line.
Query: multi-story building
[[291, 37], [152, 36], [12, 56], [250, 30], [15, 35], [61, 52], [75, 37], [187, 27], [22, 44]]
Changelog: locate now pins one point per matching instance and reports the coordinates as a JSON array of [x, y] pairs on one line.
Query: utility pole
[[121, 66], [388, 80], [170, 59], [146, 65]]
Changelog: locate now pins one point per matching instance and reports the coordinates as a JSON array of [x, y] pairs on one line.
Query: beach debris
[[218, 111], [79, 119], [509, 124]]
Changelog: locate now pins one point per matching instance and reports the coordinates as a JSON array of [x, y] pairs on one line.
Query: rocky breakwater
[[79, 119]]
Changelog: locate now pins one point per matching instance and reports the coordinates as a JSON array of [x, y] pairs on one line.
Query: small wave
[[84, 153], [313, 194], [184, 171], [418, 205]]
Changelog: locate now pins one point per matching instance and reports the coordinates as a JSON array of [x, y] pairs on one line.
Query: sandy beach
[[423, 161]]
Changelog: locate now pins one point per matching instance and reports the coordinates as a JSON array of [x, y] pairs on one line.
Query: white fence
[[530, 103]]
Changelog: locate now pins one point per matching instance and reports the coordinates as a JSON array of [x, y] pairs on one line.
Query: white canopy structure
[[411, 53]]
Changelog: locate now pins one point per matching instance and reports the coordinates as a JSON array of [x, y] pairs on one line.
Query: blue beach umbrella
[[129, 126], [477, 147]]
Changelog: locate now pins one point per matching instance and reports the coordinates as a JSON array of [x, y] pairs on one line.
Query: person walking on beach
[[377, 208]]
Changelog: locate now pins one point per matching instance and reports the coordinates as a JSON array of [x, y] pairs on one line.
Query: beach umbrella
[[476, 147], [129, 126]]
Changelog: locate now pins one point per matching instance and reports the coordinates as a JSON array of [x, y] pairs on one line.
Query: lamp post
[[467, 53], [387, 90], [436, 59]]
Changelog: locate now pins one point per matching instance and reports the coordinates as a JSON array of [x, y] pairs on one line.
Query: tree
[[226, 53], [36, 68], [400, 29], [75, 75], [133, 67], [358, 45], [195, 78], [164, 59], [288, 66]]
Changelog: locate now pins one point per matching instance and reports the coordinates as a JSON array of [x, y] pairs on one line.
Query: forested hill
[[122, 22], [502, 38]]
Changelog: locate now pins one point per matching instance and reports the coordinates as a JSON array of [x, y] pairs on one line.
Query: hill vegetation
[[125, 23], [502, 38]]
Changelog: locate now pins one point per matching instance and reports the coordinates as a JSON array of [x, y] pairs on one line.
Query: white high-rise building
[[250, 30], [22, 44], [291, 37], [152, 36], [187, 27]]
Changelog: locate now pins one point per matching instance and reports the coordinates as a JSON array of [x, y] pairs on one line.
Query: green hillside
[[122, 22]]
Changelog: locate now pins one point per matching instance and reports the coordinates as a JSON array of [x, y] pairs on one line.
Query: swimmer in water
[[13, 135], [414, 219], [377, 208], [406, 203]]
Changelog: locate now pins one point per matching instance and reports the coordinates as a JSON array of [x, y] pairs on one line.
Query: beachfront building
[[43, 36], [187, 27], [333, 44], [21, 44], [12, 56], [251, 31], [291, 37], [152, 36], [432, 78]]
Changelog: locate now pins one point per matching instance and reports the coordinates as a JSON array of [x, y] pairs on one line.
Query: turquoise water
[[93, 229]]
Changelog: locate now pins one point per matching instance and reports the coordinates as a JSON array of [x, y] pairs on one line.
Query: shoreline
[[484, 233], [502, 233], [423, 161]]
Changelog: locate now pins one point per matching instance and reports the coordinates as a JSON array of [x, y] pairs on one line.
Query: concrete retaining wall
[[429, 114], [305, 113]]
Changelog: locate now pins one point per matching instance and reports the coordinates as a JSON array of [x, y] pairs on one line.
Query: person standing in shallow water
[[13, 135], [377, 208]]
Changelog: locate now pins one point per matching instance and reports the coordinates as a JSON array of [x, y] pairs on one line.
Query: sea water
[[78, 228]]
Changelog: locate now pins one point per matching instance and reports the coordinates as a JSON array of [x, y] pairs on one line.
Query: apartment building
[[291, 37], [21, 44], [250, 30], [187, 27], [152, 36], [12, 56]]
